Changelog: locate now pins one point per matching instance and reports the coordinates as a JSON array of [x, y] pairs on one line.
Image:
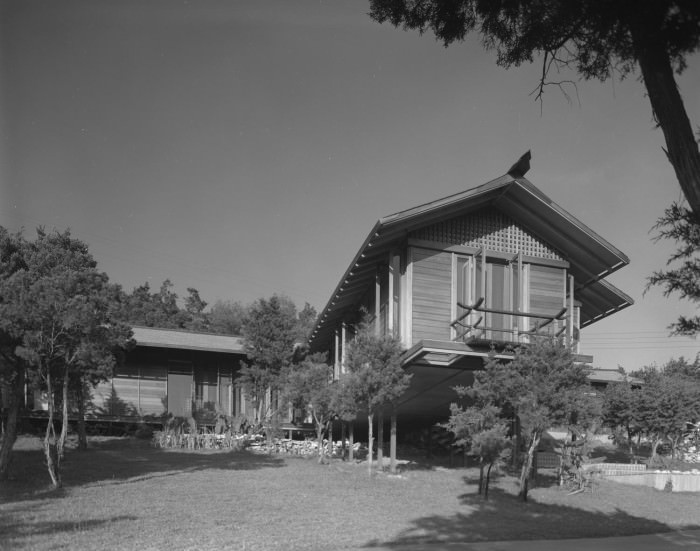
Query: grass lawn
[[124, 494]]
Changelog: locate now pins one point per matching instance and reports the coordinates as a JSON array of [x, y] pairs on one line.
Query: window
[[501, 288]]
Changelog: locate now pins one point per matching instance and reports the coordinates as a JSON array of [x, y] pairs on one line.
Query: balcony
[[480, 325]]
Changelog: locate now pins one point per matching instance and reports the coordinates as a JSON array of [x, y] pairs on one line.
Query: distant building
[[171, 371]]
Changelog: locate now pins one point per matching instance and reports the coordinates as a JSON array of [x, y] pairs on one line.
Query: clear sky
[[247, 147]]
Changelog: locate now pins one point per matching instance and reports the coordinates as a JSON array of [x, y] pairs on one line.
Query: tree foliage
[[682, 276], [61, 311], [376, 378], [227, 317], [272, 332], [620, 410], [543, 387], [309, 386], [482, 429], [661, 408], [599, 39], [159, 309]]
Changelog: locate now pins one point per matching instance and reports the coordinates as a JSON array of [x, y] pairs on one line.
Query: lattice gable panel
[[489, 228]]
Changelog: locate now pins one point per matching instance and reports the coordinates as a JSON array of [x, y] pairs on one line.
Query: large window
[[502, 297]]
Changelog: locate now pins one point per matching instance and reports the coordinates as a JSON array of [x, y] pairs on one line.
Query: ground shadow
[[504, 517], [13, 528], [116, 460]]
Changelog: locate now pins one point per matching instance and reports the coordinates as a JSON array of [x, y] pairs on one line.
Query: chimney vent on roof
[[520, 168]]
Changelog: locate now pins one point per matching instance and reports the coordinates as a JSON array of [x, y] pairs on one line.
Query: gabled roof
[[187, 340], [590, 256]]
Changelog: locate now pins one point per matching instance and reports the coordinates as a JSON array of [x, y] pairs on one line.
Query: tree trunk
[[630, 443], [342, 439], [380, 441], [64, 418], [527, 466], [481, 475], [392, 444], [488, 479], [50, 450], [351, 441], [669, 111], [517, 443], [654, 448], [330, 440], [370, 442], [10, 435], [319, 440], [82, 432]]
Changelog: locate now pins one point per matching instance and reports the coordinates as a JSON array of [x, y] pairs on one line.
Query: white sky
[[247, 147]]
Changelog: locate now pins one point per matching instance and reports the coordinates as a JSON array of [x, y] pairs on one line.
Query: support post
[[380, 440], [343, 340], [377, 302], [336, 356], [392, 443]]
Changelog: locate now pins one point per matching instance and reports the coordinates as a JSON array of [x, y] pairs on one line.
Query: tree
[[681, 225], [482, 429], [13, 369], [227, 317], [376, 379], [667, 403], [142, 307], [621, 409], [270, 331], [194, 306], [543, 387], [598, 39], [309, 386], [61, 310]]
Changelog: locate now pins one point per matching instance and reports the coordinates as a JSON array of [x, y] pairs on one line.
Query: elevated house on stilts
[[479, 271]]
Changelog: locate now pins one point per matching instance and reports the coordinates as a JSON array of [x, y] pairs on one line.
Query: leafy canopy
[[682, 276]]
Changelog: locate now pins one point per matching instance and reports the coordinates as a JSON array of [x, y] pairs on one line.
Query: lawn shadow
[[504, 517], [118, 460], [15, 527]]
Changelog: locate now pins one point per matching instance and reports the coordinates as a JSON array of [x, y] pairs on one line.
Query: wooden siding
[[547, 289], [432, 294]]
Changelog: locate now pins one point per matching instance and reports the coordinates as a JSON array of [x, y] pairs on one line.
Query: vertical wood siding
[[432, 294]]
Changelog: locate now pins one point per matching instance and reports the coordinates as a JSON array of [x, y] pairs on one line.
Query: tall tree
[[597, 38], [13, 369], [61, 310], [194, 306], [543, 387], [377, 379], [270, 331]]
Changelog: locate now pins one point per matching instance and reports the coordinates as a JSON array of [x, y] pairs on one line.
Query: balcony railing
[[480, 323]]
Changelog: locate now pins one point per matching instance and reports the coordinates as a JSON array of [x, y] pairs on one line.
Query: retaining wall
[[680, 481]]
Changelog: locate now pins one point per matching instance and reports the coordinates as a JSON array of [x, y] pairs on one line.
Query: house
[[182, 373], [494, 266]]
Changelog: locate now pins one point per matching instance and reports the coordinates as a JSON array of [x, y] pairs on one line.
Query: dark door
[[180, 391]]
